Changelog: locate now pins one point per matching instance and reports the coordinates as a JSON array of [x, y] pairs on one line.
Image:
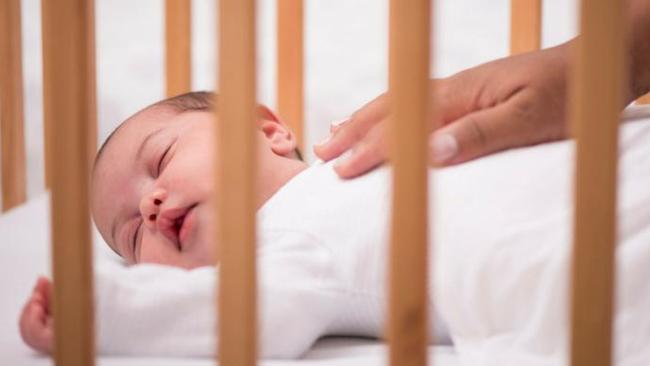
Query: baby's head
[[152, 185]]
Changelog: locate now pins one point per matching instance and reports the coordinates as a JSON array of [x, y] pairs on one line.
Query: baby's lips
[[186, 227], [167, 219]]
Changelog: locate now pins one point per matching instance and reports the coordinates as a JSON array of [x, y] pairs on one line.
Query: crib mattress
[[331, 352], [24, 243]]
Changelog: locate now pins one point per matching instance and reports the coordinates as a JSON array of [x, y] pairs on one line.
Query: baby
[[321, 241], [154, 207]]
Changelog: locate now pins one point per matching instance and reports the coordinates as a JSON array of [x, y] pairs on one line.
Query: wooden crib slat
[[236, 121], [178, 47], [644, 99], [597, 95], [50, 88], [11, 106], [290, 84], [69, 80], [410, 123], [525, 25]]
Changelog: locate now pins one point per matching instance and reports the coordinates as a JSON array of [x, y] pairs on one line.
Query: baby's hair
[[192, 101]]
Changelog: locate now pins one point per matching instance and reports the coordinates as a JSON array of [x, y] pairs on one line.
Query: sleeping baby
[[321, 241]]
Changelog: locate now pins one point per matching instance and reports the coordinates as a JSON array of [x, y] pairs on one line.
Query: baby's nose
[[150, 212], [150, 209]]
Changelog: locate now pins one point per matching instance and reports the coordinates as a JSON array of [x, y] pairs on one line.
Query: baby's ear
[[278, 135], [265, 113]]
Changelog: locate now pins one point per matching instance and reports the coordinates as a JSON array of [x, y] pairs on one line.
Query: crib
[[69, 98]]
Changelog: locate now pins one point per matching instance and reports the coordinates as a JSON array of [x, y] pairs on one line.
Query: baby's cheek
[[200, 256], [157, 251]]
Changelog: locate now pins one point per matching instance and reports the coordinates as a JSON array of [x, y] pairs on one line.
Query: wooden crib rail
[[69, 92], [410, 120], [290, 49], [178, 47], [235, 167], [11, 106], [525, 26], [596, 96]]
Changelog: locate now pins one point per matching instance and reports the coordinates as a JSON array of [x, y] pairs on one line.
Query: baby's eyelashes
[[164, 158]]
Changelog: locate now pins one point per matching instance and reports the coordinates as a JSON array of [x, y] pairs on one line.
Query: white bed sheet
[[25, 253]]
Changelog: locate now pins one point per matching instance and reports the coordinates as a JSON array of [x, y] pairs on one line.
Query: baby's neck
[[271, 177]]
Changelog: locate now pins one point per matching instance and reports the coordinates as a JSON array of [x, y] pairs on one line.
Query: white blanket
[[505, 281]]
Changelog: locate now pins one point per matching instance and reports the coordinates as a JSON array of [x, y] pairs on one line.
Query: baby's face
[[152, 188]]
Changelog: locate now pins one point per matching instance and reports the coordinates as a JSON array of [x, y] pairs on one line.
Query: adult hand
[[512, 102]]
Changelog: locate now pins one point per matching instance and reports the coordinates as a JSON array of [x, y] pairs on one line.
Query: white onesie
[[322, 253]]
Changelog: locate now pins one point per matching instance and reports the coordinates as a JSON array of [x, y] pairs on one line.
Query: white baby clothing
[[322, 258]]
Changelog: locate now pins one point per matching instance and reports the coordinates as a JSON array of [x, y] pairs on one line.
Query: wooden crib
[[70, 144]]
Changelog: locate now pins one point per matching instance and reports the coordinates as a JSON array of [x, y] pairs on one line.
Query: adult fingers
[[336, 125], [348, 133], [366, 155], [507, 125], [454, 97]]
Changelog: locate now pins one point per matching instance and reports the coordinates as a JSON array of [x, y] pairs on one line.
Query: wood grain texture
[[236, 183], [178, 47], [69, 79], [644, 99], [525, 26], [50, 88], [596, 99], [410, 120], [290, 84], [11, 106]]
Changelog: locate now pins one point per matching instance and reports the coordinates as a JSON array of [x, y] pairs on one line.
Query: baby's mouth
[[174, 224], [178, 224], [184, 226]]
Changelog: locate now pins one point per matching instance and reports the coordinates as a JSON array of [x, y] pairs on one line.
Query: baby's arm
[[163, 311], [151, 310], [144, 310]]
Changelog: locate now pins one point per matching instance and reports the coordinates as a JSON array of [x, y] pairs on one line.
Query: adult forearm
[[638, 15]]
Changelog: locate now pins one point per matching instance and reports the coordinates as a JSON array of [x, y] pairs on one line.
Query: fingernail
[[340, 122], [325, 140], [444, 147]]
